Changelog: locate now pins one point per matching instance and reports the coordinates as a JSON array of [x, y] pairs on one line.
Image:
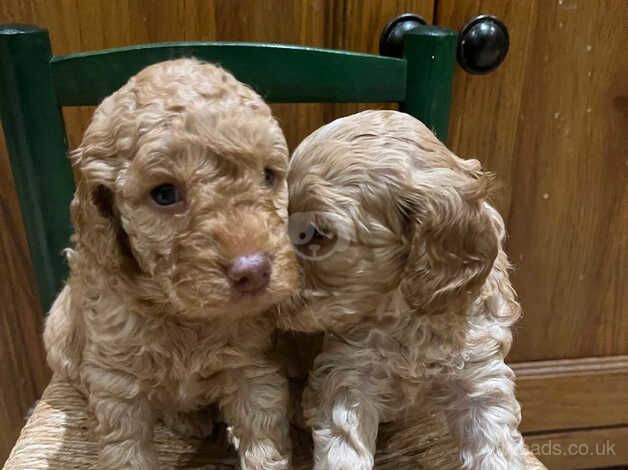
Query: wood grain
[[357, 27], [491, 102], [573, 393], [570, 220], [24, 372], [551, 122], [588, 448]]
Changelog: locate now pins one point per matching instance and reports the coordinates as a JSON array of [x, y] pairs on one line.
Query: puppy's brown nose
[[250, 274]]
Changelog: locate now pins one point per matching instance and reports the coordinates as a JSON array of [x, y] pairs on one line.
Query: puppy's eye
[[166, 195], [269, 177]]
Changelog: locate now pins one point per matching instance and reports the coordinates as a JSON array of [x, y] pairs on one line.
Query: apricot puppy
[[180, 248], [404, 270]]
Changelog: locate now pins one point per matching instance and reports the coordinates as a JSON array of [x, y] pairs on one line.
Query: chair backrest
[[34, 85]]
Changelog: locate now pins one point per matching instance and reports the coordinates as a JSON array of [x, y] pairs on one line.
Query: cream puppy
[[404, 270]]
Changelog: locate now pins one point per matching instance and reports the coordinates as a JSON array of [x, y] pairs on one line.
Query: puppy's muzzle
[[250, 274]]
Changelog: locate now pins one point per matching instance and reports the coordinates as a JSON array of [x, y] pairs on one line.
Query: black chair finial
[[391, 40]]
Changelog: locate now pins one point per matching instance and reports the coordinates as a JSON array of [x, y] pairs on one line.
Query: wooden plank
[[486, 108], [573, 393], [281, 21], [571, 184], [588, 448], [357, 25], [24, 372], [551, 122]]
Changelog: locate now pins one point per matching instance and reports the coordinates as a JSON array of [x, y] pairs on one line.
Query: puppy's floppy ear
[[453, 242], [98, 161]]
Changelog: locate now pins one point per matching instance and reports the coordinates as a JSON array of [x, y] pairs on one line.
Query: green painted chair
[[35, 85]]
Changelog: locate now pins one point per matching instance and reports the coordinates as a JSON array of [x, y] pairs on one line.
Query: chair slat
[[431, 55], [280, 73], [35, 138]]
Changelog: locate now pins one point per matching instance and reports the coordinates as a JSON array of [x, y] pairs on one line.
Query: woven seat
[[58, 436]]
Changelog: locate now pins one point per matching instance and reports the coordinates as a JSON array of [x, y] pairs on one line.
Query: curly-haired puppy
[[404, 269], [180, 248]]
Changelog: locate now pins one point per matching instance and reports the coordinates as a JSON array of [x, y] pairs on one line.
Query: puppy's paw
[[341, 456], [342, 448], [196, 424], [232, 438], [263, 455]]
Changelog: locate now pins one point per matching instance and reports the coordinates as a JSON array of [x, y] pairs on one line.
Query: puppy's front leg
[[257, 412], [484, 415], [343, 415], [125, 421]]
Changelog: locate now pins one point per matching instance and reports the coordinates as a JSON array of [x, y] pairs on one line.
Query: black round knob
[[482, 44], [391, 40]]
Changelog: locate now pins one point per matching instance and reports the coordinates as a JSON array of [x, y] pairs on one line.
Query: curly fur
[[148, 324], [413, 294]]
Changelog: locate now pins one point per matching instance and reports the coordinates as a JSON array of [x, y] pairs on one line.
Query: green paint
[[35, 138], [284, 74], [431, 55]]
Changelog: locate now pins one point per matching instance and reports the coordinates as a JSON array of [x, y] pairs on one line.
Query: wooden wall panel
[[551, 122], [573, 393], [357, 26], [486, 108], [23, 372], [571, 184], [598, 448], [81, 25]]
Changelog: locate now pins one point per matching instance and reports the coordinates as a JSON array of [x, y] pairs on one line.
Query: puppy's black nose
[[251, 273]]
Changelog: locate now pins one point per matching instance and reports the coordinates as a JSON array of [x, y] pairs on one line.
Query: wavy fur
[[148, 325], [417, 306]]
